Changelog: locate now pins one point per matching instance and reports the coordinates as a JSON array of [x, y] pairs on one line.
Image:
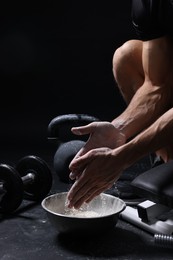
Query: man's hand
[[97, 171], [102, 134]]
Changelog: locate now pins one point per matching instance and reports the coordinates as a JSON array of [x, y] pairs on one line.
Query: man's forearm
[[147, 105], [155, 137]]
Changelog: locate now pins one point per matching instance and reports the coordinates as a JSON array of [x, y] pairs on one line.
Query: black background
[[56, 58]]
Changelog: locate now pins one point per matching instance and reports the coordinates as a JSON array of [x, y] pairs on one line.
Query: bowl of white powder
[[100, 215]]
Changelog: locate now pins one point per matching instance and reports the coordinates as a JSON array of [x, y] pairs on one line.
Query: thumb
[[82, 130], [76, 167], [79, 162]]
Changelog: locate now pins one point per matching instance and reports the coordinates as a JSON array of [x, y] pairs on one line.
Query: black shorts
[[152, 18]]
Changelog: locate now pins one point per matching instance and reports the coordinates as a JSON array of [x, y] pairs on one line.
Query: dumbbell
[[59, 130], [31, 179]]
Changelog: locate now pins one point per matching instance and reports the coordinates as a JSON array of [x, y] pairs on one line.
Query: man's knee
[[128, 69], [117, 60], [123, 57]]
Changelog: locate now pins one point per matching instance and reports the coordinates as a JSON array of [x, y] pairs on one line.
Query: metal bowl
[[98, 216]]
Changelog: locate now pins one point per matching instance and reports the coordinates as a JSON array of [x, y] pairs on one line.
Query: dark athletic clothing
[[152, 18]]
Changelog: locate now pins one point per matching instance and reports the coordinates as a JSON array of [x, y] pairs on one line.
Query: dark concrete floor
[[27, 233]]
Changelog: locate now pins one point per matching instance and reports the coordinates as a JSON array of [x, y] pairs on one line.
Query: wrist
[[129, 153], [121, 127]]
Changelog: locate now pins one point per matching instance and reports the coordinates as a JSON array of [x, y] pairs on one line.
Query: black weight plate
[[63, 156], [13, 186], [35, 190], [60, 127]]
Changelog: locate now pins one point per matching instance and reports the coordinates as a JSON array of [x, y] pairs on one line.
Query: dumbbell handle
[[2, 190], [27, 179]]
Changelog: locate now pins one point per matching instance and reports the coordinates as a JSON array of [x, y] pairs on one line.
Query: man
[[143, 70]]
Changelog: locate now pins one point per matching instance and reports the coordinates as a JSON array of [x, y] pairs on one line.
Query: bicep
[[157, 60]]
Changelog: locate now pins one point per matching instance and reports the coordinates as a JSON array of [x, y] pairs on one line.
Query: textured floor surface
[[27, 233]]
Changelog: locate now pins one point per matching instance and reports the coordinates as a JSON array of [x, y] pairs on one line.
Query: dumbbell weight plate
[[63, 156], [42, 183], [13, 186]]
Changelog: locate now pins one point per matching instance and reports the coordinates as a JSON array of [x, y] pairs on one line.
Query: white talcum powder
[[82, 214]]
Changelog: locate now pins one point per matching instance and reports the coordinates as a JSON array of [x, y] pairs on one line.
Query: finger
[[74, 175], [88, 196], [81, 152], [84, 193], [78, 190], [94, 194], [79, 162], [81, 200], [77, 166], [83, 130], [97, 190]]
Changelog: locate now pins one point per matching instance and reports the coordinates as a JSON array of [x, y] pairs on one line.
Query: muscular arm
[[157, 136], [152, 99], [148, 119]]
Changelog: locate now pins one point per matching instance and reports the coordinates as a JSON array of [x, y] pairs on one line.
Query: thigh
[[128, 69]]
